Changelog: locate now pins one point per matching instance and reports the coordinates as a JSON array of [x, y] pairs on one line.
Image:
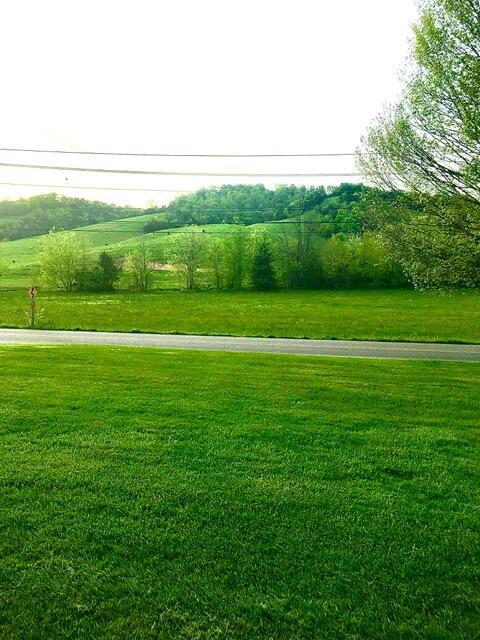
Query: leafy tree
[[358, 261], [215, 261], [237, 256], [187, 253], [298, 254], [64, 259], [263, 277], [138, 268], [429, 145], [337, 259]]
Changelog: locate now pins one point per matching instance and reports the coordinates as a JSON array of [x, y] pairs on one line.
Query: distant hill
[[326, 212], [35, 216], [18, 258], [253, 204]]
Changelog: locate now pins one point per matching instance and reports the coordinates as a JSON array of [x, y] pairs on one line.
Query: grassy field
[[370, 315], [155, 494], [19, 262], [18, 258]]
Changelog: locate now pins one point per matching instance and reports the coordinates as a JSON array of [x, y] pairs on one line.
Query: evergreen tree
[[109, 272], [263, 277]]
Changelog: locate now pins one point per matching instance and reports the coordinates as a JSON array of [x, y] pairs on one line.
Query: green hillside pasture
[[362, 315], [159, 241], [18, 258], [237, 496]]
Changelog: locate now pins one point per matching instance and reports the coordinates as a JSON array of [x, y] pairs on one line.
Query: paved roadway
[[355, 349]]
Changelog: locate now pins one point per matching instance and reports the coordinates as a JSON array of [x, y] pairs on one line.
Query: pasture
[[19, 258], [154, 494], [357, 315]]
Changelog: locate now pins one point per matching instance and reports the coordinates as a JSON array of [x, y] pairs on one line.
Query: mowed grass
[[155, 494], [369, 315]]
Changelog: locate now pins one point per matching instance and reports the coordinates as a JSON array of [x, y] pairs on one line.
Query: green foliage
[[358, 262], [65, 261], [187, 254], [138, 268], [38, 215], [109, 272], [237, 256], [297, 254], [429, 144], [237, 496], [263, 276], [251, 204], [215, 262], [227, 260]]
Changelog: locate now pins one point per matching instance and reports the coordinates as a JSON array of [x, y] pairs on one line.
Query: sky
[[192, 76]]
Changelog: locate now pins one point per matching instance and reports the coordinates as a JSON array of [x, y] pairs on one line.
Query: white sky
[[193, 76]]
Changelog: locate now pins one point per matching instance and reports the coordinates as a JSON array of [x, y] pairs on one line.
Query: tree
[[64, 258], [138, 268], [263, 277], [429, 145], [237, 256], [298, 254], [109, 272], [337, 259], [215, 261], [358, 261], [187, 254]]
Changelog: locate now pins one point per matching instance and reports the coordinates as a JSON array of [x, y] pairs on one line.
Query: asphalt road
[[355, 349]]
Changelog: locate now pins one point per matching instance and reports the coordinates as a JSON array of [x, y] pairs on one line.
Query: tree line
[[36, 216], [293, 256], [252, 204]]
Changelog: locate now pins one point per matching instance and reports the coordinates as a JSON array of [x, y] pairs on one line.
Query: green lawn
[[156, 494], [372, 315]]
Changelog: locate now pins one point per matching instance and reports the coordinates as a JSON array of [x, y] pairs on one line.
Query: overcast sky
[[193, 76]]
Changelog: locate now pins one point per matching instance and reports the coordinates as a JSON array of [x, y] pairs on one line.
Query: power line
[[196, 229], [146, 189], [164, 231], [178, 173], [181, 155], [70, 186], [291, 213]]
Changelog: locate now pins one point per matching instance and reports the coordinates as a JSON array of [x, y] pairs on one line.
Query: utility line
[[198, 228], [174, 233], [146, 189], [177, 173], [181, 155], [70, 186], [296, 212]]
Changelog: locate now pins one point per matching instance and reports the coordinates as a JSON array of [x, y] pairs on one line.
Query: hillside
[[27, 217], [18, 258], [266, 211], [252, 204]]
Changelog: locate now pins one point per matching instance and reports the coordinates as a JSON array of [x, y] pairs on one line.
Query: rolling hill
[[18, 258]]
